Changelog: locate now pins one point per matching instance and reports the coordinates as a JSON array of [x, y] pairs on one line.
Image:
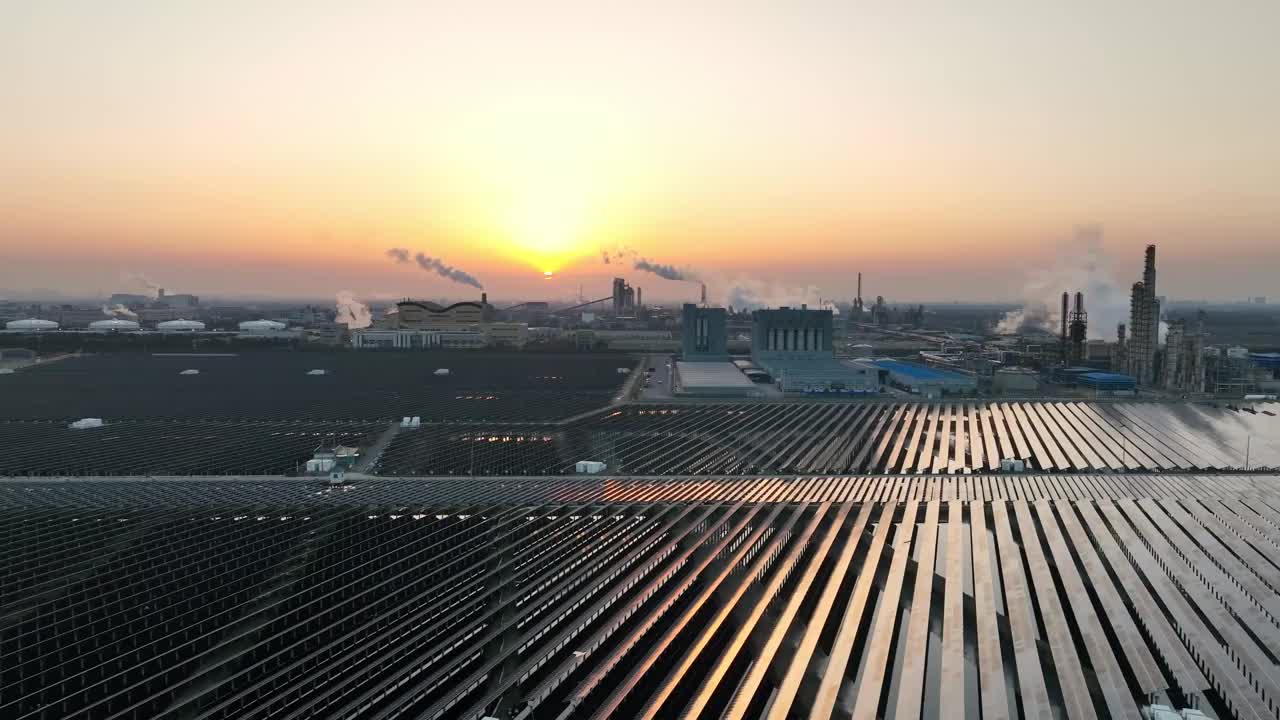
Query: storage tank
[[180, 326], [31, 325], [114, 325], [262, 326]]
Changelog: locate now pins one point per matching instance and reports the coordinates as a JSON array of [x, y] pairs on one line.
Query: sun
[[548, 228]]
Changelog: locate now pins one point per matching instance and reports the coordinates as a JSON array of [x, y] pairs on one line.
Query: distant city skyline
[[944, 150]]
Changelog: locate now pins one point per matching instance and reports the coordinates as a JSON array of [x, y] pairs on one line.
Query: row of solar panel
[[595, 608]]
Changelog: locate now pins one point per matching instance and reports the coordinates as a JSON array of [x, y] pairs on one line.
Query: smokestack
[[1062, 340], [639, 296], [859, 289], [484, 298], [704, 294], [1079, 302]]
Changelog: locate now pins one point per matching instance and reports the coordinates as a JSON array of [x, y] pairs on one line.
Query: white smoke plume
[[668, 272], [435, 265], [118, 310], [745, 294], [1081, 265], [351, 312]]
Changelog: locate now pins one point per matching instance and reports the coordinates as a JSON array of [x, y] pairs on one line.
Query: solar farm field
[[171, 447], [927, 438], [590, 598], [480, 386]]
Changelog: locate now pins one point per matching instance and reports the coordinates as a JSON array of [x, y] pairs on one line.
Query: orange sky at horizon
[[949, 149]]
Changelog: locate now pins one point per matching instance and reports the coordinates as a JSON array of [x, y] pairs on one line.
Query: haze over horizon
[[945, 150]]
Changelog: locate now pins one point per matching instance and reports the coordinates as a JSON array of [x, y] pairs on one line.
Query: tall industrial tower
[[1079, 330], [1144, 323]]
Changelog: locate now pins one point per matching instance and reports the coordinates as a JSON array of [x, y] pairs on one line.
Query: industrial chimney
[[1062, 340], [1079, 329]]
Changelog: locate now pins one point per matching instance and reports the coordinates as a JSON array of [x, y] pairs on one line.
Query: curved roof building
[[31, 325], [114, 325], [262, 326], [180, 326]]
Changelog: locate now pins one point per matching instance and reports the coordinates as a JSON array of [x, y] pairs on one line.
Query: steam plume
[[352, 312], [435, 265], [445, 271], [118, 310], [751, 294], [669, 272], [1080, 264]]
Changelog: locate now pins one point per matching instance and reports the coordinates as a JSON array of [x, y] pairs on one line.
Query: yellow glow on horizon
[[542, 179]]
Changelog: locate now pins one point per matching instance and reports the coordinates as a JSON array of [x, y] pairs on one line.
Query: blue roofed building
[[923, 380]]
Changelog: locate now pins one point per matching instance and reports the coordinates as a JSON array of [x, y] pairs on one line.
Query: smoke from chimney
[[1081, 262], [668, 272], [435, 265], [351, 312], [118, 310]]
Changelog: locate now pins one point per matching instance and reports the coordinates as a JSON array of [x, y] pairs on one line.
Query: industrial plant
[[601, 508]]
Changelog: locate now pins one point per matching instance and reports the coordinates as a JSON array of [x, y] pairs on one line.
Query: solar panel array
[[949, 437], [480, 386], [851, 597], [172, 447], [265, 413]]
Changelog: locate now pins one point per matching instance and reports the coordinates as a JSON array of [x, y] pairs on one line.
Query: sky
[[944, 149]]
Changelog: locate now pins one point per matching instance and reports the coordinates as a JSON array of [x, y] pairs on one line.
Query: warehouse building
[[926, 381], [712, 379]]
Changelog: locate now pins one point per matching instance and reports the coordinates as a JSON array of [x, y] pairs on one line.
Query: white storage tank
[[114, 325], [172, 326], [262, 326], [31, 325]]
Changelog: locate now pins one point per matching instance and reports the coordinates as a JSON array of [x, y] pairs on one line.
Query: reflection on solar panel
[[950, 437], [994, 596]]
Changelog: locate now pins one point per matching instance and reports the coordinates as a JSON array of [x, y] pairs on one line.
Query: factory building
[[711, 379], [1144, 324], [425, 315], [177, 300], [128, 299], [424, 324], [790, 334], [1106, 383], [393, 339], [926, 381], [794, 347], [511, 335], [704, 334]]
